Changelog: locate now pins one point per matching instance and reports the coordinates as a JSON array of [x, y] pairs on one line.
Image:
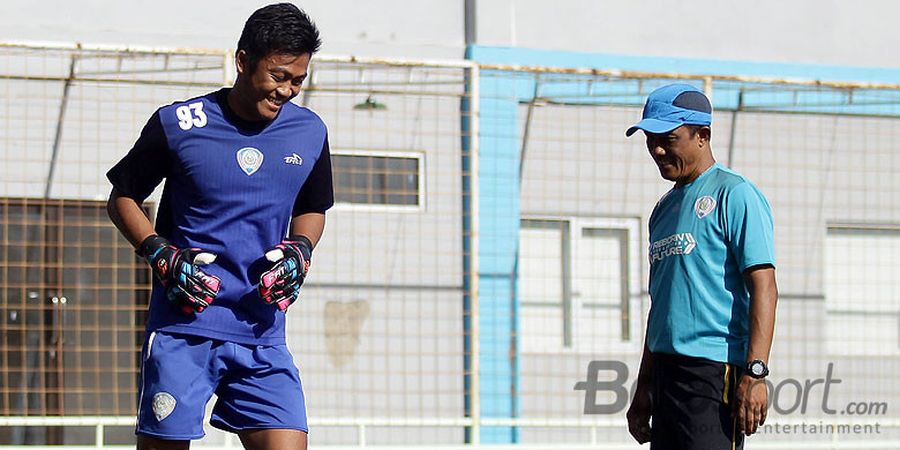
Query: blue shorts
[[258, 387]]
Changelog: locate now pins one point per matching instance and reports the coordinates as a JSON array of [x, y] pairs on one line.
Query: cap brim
[[654, 126]]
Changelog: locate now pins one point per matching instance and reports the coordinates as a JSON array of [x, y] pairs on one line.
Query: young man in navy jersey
[[712, 288], [247, 183]]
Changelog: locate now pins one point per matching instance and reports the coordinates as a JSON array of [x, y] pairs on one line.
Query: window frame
[[419, 156], [829, 310], [573, 300]]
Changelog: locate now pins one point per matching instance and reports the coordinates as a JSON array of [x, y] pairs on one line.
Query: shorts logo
[[294, 159], [163, 405], [249, 159], [704, 206]]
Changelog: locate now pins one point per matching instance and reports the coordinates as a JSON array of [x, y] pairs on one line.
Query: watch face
[[757, 369]]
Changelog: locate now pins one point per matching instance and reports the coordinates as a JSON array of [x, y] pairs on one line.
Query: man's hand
[[280, 285], [751, 401], [639, 415], [177, 269]]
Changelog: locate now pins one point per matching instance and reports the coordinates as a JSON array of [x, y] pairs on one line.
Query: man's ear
[[705, 134], [241, 61]]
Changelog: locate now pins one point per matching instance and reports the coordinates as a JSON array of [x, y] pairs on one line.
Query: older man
[[712, 288]]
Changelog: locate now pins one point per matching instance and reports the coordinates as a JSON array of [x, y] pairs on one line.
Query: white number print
[[191, 116]]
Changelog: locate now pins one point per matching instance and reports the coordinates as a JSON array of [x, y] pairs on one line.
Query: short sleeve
[[750, 227], [317, 193], [138, 173]]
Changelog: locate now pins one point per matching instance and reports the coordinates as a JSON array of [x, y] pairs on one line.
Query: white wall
[[396, 28], [838, 32]]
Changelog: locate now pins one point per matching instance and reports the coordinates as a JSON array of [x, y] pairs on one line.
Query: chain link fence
[[825, 155], [483, 275]]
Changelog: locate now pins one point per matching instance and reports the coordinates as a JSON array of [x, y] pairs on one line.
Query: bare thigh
[[151, 443], [274, 439]]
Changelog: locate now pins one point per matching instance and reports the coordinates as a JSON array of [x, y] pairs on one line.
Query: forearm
[[763, 301], [129, 218], [310, 225], [645, 372]]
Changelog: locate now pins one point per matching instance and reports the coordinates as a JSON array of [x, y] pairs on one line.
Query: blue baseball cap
[[672, 106]]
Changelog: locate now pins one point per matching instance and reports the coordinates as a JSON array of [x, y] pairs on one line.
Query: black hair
[[278, 28]]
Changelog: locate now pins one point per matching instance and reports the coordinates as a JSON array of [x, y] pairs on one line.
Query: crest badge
[[249, 159], [163, 405], [704, 206]]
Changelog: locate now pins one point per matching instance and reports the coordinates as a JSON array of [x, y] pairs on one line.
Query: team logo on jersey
[[294, 159], [163, 405], [249, 159], [704, 206]]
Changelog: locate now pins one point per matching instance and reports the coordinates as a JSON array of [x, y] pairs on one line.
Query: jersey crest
[[704, 206], [250, 159]]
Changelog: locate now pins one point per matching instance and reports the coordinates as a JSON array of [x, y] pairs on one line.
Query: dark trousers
[[692, 404]]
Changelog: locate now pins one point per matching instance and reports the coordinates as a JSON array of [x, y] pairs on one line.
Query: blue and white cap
[[672, 106]]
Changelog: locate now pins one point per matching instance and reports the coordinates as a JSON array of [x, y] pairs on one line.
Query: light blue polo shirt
[[703, 236]]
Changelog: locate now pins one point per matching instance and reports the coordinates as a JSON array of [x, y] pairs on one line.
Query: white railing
[[836, 442]]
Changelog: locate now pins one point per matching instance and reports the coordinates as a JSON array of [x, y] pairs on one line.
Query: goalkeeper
[[247, 183]]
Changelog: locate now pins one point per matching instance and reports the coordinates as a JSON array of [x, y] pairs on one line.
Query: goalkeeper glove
[[177, 269], [280, 285]]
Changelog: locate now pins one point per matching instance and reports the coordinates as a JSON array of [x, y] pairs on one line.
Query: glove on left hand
[[280, 285]]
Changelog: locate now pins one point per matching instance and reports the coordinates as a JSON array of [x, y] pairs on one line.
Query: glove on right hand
[[178, 270]]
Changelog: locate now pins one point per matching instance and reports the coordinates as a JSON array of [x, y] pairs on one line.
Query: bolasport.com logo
[[788, 396]]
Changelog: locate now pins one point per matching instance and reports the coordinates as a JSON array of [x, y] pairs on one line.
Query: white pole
[[474, 143]]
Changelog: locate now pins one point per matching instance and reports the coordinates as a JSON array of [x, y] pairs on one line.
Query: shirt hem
[[221, 336]]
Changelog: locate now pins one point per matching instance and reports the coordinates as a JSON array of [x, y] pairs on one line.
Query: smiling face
[[682, 154], [262, 89]]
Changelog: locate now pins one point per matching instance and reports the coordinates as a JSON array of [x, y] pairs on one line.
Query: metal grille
[[73, 303], [377, 180]]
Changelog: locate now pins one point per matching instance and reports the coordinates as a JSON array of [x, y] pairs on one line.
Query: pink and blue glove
[[177, 269], [280, 285]]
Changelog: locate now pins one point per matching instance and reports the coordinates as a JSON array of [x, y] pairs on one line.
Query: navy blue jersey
[[231, 188]]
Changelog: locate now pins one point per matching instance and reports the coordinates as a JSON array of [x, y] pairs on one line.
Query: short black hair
[[278, 28]]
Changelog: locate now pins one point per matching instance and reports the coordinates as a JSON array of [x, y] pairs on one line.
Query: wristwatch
[[757, 369]]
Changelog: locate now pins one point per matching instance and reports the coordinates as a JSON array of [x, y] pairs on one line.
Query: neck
[[238, 103], [702, 166]]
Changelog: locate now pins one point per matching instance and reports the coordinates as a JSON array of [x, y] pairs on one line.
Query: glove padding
[[280, 285], [177, 269]]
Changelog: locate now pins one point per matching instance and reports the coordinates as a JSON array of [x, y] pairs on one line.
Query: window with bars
[[73, 301], [371, 178]]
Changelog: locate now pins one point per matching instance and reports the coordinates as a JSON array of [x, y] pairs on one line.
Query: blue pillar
[[498, 229]]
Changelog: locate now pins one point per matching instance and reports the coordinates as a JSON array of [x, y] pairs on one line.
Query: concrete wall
[[806, 31], [394, 28]]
